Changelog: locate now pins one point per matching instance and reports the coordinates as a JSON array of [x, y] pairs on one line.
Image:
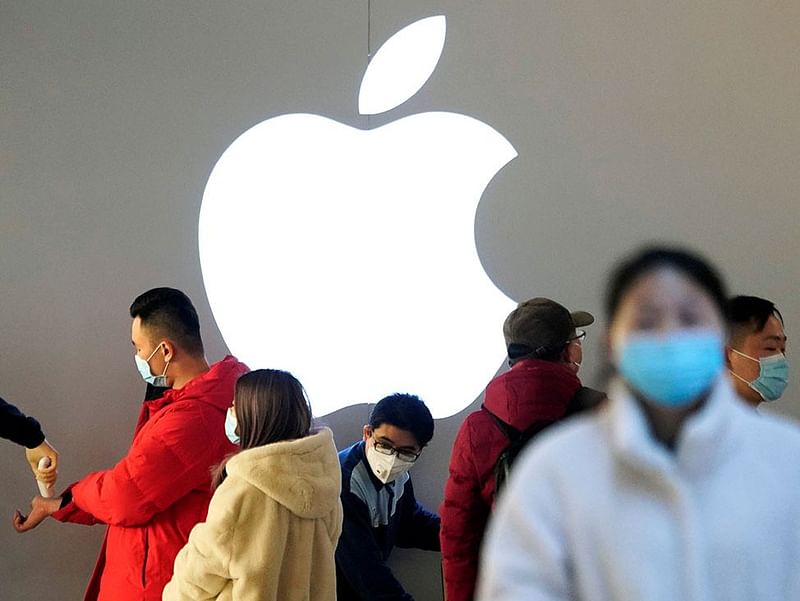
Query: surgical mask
[[386, 468], [773, 375], [230, 427], [671, 370], [143, 365]]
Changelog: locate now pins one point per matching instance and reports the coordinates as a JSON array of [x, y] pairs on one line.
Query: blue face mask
[[772, 378], [671, 370], [143, 365], [230, 427]]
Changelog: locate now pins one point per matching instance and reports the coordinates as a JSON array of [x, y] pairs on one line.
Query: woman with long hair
[[275, 517], [674, 489]]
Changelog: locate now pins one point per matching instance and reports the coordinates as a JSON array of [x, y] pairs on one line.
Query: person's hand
[[41, 508], [49, 474]]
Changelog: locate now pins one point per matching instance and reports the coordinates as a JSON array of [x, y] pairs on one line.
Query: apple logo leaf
[[402, 65]]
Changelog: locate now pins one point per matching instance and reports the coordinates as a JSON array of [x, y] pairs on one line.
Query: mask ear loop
[[737, 376], [745, 356], [166, 364]]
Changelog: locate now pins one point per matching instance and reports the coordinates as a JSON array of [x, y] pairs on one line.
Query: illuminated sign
[[348, 256]]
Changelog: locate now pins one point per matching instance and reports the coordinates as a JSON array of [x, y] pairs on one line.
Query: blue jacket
[[377, 517]]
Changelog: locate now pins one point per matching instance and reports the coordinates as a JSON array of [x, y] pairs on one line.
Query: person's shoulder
[[350, 454], [572, 443], [349, 459], [778, 432]]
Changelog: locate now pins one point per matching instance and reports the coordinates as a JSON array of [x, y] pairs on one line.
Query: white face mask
[[143, 365], [386, 468], [230, 427]]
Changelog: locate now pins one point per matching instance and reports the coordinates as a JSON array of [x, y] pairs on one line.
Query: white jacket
[[271, 530], [598, 509]]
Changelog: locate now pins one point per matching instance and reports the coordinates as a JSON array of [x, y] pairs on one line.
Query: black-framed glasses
[[386, 449], [580, 336]]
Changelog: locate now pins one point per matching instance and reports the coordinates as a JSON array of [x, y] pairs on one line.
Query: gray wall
[[633, 121]]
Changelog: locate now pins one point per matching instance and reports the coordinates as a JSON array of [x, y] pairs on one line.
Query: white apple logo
[[348, 256]]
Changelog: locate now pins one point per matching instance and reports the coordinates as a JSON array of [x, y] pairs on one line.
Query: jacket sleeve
[[419, 528], [359, 560], [18, 428], [464, 516], [202, 567], [164, 464], [525, 557]]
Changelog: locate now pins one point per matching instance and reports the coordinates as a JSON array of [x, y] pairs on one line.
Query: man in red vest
[[153, 496]]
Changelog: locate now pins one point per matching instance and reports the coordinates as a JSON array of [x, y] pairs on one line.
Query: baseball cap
[[540, 327]]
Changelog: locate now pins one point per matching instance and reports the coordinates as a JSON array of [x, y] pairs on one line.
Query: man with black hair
[[380, 510], [755, 354], [152, 497], [542, 387]]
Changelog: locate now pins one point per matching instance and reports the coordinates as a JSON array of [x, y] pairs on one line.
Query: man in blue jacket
[[380, 510]]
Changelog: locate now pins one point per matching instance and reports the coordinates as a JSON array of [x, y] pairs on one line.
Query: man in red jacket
[[544, 352], [153, 496]]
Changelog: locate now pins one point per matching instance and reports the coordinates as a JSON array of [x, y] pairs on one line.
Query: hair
[[169, 313], [271, 406], [649, 259], [747, 315], [404, 411]]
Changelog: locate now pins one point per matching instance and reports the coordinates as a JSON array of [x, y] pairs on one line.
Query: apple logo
[[348, 256]]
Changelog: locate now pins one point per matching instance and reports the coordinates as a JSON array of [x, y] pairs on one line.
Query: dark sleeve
[[358, 557], [18, 428], [419, 528]]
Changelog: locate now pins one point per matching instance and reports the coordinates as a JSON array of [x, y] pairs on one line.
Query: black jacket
[[18, 428]]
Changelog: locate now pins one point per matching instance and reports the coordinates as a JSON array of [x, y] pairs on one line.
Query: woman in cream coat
[[275, 518]]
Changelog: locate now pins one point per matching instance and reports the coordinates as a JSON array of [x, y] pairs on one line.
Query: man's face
[[769, 341], [145, 345], [388, 435], [575, 349]]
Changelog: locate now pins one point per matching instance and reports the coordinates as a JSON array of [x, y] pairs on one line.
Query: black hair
[[748, 314], [404, 411], [169, 312], [650, 258]]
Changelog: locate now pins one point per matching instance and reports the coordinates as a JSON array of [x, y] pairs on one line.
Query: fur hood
[[303, 475]]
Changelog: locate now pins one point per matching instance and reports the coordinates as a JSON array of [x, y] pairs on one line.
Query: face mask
[[671, 370], [386, 468], [230, 427], [772, 378], [144, 369]]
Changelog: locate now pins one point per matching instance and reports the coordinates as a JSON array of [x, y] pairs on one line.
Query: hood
[[303, 475], [214, 387], [532, 390]]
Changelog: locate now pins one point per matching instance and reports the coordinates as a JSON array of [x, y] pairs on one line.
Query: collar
[[705, 440]]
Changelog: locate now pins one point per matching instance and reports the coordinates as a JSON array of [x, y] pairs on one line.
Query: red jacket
[[153, 497], [532, 390]]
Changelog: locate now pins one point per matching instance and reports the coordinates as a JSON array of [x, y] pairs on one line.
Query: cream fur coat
[[271, 530]]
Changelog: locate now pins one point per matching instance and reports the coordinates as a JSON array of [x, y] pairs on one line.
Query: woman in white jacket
[[674, 490], [275, 518]]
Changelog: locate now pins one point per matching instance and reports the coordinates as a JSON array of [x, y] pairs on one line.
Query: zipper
[[146, 551]]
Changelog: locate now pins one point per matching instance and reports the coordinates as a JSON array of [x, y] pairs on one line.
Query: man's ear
[[728, 353], [366, 432], [168, 350], [570, 354]]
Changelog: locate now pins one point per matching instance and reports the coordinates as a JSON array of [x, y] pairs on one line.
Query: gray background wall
[[633, 121]]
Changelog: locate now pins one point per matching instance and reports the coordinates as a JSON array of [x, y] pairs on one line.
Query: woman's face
[[663, 302]]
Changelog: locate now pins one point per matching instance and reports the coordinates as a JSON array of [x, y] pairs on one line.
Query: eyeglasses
[[579, 337], [386, 449]]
